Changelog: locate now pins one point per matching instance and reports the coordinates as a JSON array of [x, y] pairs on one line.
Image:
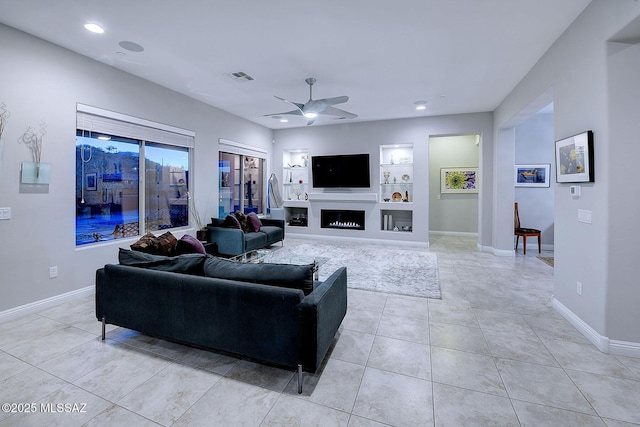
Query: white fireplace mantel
[[343, 197]]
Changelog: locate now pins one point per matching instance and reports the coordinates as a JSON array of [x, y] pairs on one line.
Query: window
[[111, 150]]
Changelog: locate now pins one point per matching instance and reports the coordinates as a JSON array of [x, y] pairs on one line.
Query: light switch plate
[[5, 213], [584, 216]]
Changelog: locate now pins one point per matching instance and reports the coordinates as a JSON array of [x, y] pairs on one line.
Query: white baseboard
[[36, 306], [604, 344], [358, 239], [453, 233]]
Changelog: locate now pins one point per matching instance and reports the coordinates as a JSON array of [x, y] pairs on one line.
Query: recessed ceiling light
[[311, 115], [284, 121], [94, 28], [420, 105]]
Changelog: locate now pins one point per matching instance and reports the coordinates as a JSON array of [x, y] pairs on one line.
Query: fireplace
[[342, 219]]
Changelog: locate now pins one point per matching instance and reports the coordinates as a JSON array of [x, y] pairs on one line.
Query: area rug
[[371, 267], [547, 260]]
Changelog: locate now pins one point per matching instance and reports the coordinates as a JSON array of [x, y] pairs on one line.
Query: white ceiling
[[460, 56]]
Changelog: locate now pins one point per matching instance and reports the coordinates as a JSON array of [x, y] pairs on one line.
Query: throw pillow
[[285, 275], [146, 243], [189, 245], [244, 224], [254, 221], [230, 221], [166, 244], [186, 263]]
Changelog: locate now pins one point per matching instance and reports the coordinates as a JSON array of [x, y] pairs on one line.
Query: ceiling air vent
[[241, 76]]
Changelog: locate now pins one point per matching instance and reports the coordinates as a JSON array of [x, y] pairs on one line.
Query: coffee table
[[267, 256]]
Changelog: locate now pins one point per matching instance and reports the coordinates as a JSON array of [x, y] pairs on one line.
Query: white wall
[[575, 67], [623, 293], [368, 136], [44, 82], [456, 213], [534, 144]]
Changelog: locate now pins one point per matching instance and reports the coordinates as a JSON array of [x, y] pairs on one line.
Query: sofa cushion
[[189, 245], [254, 241], [254, 221], [186, 263], [273, 233], [284, 275]]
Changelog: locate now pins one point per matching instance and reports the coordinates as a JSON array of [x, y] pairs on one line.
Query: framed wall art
[[534, 175], [574, 158], [459, 180]]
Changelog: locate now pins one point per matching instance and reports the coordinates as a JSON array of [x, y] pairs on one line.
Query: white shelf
[[344, 197]]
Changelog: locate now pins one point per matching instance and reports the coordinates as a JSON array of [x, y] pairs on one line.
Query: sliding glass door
[[241, 184]]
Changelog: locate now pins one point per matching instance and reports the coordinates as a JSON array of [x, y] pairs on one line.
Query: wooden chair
[[524, 232]]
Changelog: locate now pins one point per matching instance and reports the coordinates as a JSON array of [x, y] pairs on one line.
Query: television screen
[[340, 171]]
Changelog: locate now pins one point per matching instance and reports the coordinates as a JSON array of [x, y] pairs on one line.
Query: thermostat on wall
[[574, 190]]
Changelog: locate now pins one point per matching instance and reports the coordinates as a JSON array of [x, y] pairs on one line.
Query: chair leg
[[517, 241], [539, 245], [524, 243]]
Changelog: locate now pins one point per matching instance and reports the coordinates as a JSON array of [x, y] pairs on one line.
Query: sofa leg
[[299, 379], [104, 326]]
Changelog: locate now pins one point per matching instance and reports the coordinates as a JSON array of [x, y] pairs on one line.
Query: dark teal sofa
[[232, 241], [270, 324]]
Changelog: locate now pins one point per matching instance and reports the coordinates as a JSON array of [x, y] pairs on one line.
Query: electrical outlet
[[579, 288], [53, 272]]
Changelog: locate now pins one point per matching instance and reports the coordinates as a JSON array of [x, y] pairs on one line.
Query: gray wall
[[368, 136], [534, 144], [585, 97], [44, 82], [452, 213]]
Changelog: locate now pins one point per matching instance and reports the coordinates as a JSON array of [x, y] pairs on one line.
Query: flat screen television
[[340, 171]]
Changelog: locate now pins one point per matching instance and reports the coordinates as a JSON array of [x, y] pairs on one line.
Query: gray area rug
[[370, 267]]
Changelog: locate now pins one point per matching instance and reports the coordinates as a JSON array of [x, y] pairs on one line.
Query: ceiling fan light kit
[[314, 107]]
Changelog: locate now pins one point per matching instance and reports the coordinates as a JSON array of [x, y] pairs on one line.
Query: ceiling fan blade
[[333, 111], [292, 112], [333, 101], [300, 106]]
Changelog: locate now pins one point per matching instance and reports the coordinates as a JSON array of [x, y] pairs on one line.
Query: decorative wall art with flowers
[[459, 180], [574, 158]]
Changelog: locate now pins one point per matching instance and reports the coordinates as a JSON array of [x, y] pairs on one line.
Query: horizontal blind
[[93, 119], [233, 147]]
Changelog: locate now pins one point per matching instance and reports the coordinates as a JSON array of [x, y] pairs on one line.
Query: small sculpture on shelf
[[298, 191], [386, 175], [406, 196]]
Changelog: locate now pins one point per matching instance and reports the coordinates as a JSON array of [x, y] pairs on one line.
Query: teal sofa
[[233, 241]]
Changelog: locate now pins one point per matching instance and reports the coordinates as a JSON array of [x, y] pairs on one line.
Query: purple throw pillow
[[254, 221], [190, 245]]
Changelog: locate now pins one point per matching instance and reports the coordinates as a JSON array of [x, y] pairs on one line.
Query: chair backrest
[[516, 216]]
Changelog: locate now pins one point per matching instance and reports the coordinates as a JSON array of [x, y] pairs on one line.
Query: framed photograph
[[574, 158], [459, 180], [92, 181], [536, 175]]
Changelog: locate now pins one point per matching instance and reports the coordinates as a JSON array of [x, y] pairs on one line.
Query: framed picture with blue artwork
[[533, 175]]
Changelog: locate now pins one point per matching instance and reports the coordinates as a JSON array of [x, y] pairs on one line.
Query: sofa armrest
[[322, 313], [230, 241]]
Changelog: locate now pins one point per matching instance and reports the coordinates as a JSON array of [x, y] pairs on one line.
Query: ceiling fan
[[313, 107]]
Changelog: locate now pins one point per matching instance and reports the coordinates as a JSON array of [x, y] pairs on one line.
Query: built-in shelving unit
[[295, 186], [396, 187]]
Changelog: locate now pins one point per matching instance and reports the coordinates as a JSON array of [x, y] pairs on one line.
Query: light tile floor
[[491, 352]]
